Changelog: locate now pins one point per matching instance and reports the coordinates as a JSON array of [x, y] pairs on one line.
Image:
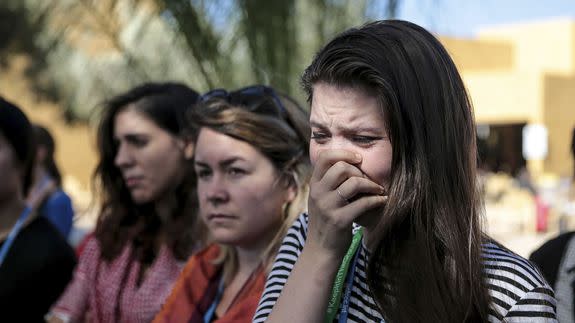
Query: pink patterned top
[[98, 287]]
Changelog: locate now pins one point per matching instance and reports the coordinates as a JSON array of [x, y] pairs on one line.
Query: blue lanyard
[[348, 286], [212, 309], [13, 234]]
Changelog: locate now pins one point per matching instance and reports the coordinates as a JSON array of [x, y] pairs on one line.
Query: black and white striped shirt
[[518, 291]]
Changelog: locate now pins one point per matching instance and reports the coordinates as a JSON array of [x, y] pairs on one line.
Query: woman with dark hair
[[46, 190], [147, 227], [36, 263], [253, 168], [394, 155]]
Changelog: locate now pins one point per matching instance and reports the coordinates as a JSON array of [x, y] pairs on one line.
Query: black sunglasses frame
[[241, 96]]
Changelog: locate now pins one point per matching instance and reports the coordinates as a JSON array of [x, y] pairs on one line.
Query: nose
[[337, 143], [215, 191], [123, 158]]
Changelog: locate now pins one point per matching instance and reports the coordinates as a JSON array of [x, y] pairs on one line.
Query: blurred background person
[[146, 228], [252, 167], [36, 263], [556, 259], [46, 190]]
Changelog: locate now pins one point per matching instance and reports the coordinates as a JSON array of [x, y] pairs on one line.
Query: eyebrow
[[348, 129], [131, 136], [223, 164]]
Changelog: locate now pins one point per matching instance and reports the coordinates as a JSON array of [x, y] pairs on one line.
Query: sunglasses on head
[[251, 97]]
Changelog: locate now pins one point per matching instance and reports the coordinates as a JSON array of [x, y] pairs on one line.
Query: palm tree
[[93, 49]]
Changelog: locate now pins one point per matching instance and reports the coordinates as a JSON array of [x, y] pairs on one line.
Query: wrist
[[323, 263]]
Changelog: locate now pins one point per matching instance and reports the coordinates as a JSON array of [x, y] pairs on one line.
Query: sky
[[464, 18]]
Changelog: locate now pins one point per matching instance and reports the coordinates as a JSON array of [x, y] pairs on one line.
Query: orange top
[[196, 289]]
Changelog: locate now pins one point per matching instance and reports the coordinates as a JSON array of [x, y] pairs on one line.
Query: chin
[[141, 198]]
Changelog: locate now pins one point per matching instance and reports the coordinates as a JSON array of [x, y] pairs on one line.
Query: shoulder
[[548, 257], [41, 229], [294, 240], [516, 287], [206, 255], [58, 199], [203, 260], [553, 245], [90, 249], [298, 229], [48, 244]]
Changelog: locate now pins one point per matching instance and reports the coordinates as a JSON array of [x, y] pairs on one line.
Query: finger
[[344, 216], [356, 187], [360, 206], [328, 157], [339, 173]]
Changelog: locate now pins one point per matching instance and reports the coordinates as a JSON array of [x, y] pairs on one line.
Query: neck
[[248, 259], [367, 234], [9, 213], [39, 173], [165, 207], [250, 256]]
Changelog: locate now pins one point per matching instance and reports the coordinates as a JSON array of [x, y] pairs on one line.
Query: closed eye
[[363, 140], [319, 137]]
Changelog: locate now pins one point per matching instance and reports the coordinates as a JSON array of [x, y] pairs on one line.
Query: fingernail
[[357, 157]]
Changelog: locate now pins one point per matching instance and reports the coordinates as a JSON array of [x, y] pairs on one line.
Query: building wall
[[504, 97], [524, 73], [480, 56], [559, 117], [546, 46]]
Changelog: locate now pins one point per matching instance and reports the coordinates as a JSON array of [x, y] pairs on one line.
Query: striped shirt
[[518, 291]]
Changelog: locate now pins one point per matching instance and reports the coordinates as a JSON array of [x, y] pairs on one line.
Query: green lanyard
[[335, 298]]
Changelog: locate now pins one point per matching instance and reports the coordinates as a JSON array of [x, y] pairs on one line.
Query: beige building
[[523, 74]]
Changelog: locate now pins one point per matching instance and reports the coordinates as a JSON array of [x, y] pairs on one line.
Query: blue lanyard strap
[[13, 234], [335, 298], [347, 293], [212, 309]]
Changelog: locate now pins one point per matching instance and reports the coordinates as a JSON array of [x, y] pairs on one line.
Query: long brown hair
[[121, 220], [276, 126], [426, 265]]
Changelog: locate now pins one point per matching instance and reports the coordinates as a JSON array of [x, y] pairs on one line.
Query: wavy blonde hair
[[281, 134]]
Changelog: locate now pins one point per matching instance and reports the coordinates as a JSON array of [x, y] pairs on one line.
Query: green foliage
[[85, 51]]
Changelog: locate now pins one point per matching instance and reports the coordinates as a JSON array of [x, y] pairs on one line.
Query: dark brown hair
[[426, 266], [121, 220], [17, 129], [45, 140]]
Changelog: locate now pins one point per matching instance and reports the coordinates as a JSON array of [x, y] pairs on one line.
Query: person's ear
[[291, 189], [291, 193], [187, 146], [189, 150]]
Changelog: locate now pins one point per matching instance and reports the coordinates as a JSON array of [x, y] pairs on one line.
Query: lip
[[219, 217], [132, 181]]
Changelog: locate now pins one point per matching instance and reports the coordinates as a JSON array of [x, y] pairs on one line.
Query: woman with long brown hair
[[147, 228], [394, 154]]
